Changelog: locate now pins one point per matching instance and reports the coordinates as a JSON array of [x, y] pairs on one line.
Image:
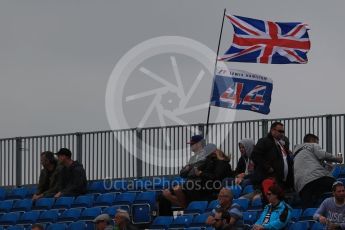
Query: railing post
[[139, 137], [264, 124], [329, 134], [79, 147], [19, 156], [201, 129]]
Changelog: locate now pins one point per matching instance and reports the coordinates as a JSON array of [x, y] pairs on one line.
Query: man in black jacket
[[272, 158], [72, 179]]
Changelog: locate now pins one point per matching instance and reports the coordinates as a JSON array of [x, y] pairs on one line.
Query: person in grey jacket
[[312, 179]]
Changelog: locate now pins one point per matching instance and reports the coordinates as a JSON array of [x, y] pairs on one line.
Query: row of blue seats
[[87, 201], [79, 225]]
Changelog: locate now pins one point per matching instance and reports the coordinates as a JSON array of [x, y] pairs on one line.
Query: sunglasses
[[280, 130]]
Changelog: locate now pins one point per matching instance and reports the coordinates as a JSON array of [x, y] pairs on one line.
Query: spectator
[[221, 220], [332, 210], [277, 213], [197, 145], [245, 165], [122, 221], [312, 181], [223, 167], [48, 182], [72, 181], [102, 222], [272, 159], [37, 227], [225, 199]]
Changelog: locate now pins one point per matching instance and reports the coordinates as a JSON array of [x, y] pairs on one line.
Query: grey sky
[[56, 56]]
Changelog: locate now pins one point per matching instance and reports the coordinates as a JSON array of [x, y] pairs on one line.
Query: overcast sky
[[56, 58]]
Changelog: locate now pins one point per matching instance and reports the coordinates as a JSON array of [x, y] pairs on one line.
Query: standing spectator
[[225, 199], [102, 222], [122, 221], [276, 214], [73, 177], [272, 159], [47, 184], [332, 210], [312, 181]]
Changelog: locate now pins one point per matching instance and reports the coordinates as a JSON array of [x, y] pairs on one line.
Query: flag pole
[[214, 74]]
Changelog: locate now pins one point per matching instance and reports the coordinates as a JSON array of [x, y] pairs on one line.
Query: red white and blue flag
[[259, 41], [237, 89]]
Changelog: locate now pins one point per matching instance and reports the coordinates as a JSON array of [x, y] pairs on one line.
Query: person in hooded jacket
[[72, 181], [245, 165]]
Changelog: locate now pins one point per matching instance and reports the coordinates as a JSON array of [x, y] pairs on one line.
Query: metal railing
[[153, 151]]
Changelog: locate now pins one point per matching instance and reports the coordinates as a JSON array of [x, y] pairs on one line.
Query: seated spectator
[[225, 199], [72, 181], [37, 227], [48, 182], [223, 167], [276, 214], [122, 220], [312, 181], [332, 210], [102, 222], [245, 165], [221, 220]]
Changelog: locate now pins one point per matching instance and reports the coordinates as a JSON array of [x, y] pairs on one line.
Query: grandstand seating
[[18, 211]]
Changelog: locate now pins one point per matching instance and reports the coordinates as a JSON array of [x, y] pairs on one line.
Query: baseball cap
[[102, 217], [195, 139], [64, 151]]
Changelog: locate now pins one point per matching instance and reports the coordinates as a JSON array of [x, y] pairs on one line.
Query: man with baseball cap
[[102, 222], [332, 210], [72, 181]]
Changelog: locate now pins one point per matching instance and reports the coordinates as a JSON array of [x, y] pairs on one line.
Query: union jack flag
[[267, 42]]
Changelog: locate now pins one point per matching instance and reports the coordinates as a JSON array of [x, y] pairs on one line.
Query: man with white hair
[[123, 221], [102, 222]]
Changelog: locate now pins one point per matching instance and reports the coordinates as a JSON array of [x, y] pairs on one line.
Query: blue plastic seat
[[250, 217], [43, 204], [9, 218], [161, 222], [308, 214], [29, 217], [72, 214], [84, 201], [125, 199], [16, 193], [79, 225], [236, 190], [247, 189], [244, 203], [196, 207], [31, 191], [212, 205], [16, 227], [142, 207], [90, 213], [256, 204], [296, 214], [181, 221], [111, 211], [22, 205], [299, 226], [57, 226], [199, 220], [96, 187], [2, 194], [194, 228], [63, 203], [48, 216], [104, 200], [6, 206], [318, 226]]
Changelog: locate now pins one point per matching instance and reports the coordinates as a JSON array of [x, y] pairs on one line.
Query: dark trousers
[[164, 206], [313, 191]]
